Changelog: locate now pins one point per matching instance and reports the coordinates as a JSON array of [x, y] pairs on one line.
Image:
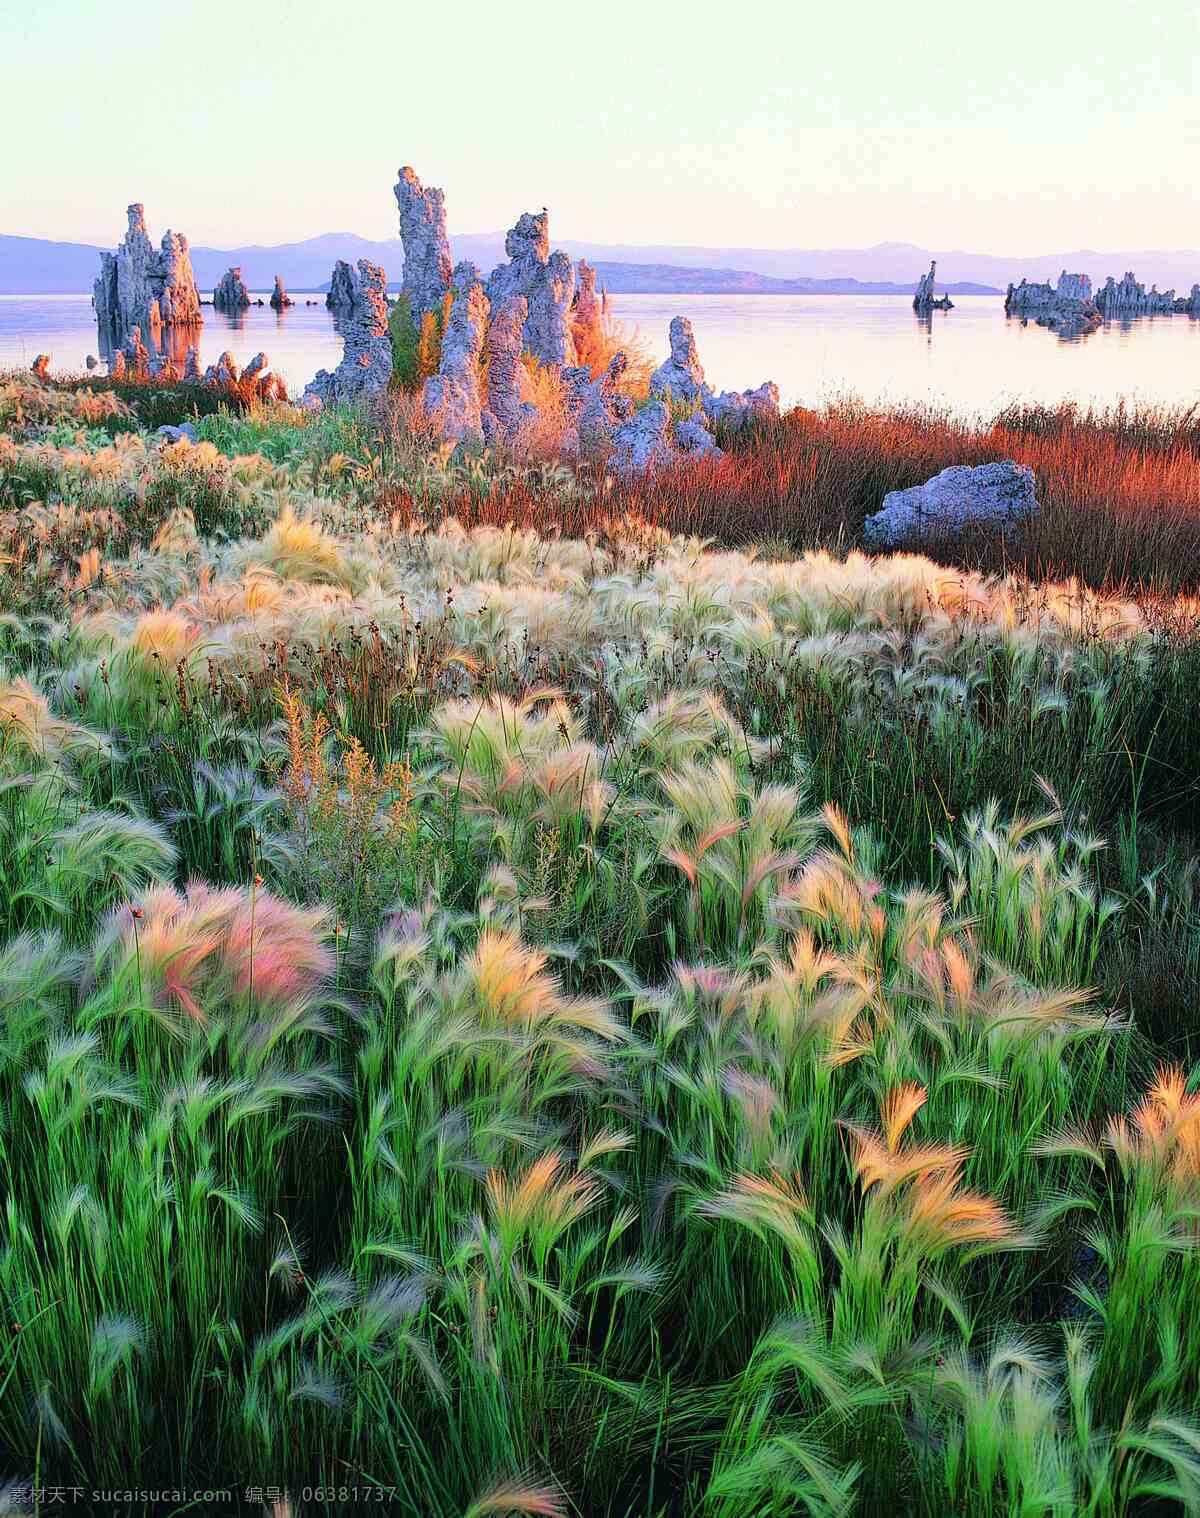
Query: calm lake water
[[813, 346]]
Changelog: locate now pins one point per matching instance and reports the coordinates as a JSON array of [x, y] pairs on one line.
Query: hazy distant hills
[[34, 265]]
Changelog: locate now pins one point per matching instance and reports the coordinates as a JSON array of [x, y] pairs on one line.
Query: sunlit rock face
[[230, 294], [427, 263], [507, 412], [991, 495], [452, 395], [140, 286], [546, 280], [586, 314], [255, 379], [366, 365]]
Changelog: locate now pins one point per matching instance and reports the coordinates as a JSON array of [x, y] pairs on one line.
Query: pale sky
[[1019, 127]]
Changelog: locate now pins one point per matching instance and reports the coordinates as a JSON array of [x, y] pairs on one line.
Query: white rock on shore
[[998, 495]]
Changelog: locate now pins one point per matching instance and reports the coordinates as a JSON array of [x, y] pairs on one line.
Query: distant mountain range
[[34, 265]]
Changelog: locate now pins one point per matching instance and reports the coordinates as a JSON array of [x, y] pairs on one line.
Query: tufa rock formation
[[925, 299], [40, 368], [230, 293], [736, 408], [452, 395], [598, 405], [693, 438], [507, 412], [586, 315], [144, 288], [991, 495], [643, 443], [256, 377], [682, 378], [1067, 308], [546, 280], [366, 365], [280, 299], [343, 288], [427, 265], [682, 375], [1130, 298]]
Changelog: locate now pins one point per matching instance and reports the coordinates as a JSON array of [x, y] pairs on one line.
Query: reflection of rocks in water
[[924, 321], [168, 353]]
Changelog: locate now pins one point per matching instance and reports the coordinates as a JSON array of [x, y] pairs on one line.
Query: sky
[[1015, 128]]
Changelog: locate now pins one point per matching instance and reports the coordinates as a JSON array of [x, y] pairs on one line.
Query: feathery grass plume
[[1036, 899], [917, 1189], [32, 732], [506, 986], [686, 727], [539, 1204], [518, 1494], [193, 949], [730, 840], [295, 550]]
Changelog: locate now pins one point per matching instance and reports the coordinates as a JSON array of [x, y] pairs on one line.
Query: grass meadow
[[526, 995]]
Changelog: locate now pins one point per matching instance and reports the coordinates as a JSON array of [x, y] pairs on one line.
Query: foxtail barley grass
[[595, 1021]]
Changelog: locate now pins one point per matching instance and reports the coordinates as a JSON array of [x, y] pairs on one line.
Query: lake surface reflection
[[814, 346]]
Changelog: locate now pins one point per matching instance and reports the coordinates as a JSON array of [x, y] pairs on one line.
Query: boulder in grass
[[989, 495]]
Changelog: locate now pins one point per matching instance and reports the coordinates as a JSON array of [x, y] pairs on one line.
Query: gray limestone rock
[[230, 293], [427, 264], [682, 378], [507, 412], [366, 366], [178, 434], [1128, 297], [280, 299], [693, 438], [991, 495], [736, 408], [546, 280], [452, 395], [343, 288], [602, 409], [644, 442], [682, 375], [925, 300]]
